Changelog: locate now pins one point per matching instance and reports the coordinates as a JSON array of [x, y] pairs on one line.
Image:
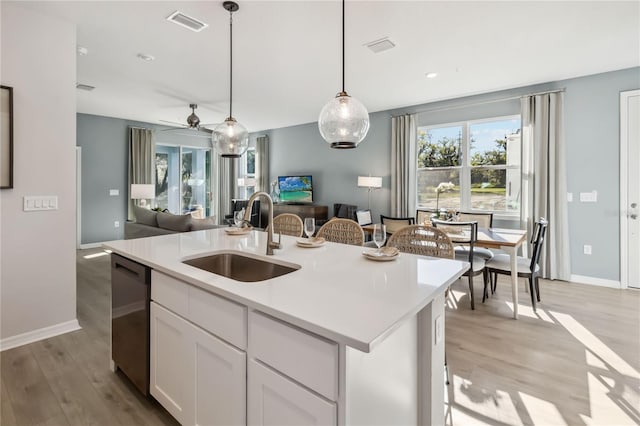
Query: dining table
[[508, 240]]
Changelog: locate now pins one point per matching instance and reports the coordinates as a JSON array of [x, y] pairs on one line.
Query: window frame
[[465, 168]]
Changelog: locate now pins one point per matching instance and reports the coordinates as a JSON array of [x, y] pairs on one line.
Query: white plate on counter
[[238, 231], [383, 255], [310, 242]]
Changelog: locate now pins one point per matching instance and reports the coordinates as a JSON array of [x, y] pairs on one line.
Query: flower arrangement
[[442, 187]]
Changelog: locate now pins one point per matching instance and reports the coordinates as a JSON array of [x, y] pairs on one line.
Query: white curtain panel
[[403, 146], [544, 180], [142, 157], [262, 164]]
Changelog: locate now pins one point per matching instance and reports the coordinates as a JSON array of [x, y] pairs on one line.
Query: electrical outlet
[[438, 330], [587, 249], [114, 192], [116, 224]]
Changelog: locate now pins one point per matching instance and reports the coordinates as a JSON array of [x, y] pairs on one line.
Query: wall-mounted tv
[[295, 189]]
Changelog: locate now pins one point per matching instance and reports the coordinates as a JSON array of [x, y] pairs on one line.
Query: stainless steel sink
[[240, 267]]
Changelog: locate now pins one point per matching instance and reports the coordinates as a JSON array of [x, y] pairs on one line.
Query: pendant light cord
[[343, 1], [230, 63]]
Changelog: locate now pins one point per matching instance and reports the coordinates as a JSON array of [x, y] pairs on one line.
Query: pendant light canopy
[[344, 121], [230, 138]]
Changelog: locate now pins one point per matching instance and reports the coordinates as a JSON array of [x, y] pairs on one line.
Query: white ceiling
[[287, 53]]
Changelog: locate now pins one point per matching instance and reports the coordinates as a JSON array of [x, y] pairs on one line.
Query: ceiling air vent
[[380, 45], [84, 87], [186, 21]]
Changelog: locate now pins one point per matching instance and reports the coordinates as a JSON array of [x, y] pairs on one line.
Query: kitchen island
[[341, 340]]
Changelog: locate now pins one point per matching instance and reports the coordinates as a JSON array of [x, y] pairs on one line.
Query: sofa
[[150, 223]]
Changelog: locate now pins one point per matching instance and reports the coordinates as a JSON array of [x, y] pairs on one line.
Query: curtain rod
[[140, 128], [481, 102]]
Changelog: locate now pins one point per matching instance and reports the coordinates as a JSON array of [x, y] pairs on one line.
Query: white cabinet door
[[220, 377], [197, 377], [169, 364], [275, 400]]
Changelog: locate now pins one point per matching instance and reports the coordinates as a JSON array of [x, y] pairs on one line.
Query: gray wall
[[592, 136], [104, 144]]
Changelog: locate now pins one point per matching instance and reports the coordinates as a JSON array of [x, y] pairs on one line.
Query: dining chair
[[345, 231], [423, 216], [464, 233], [425, 241], [393, 224], [527, 267], [422, 240], [485, 220], [288, 224]]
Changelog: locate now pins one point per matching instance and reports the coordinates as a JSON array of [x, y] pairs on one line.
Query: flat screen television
[[295, 189]]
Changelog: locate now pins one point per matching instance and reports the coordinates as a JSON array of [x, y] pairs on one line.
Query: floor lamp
[[371, 183]]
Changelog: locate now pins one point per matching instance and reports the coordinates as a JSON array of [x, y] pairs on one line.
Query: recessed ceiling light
[[380, 45], [146, 57], [431, 74], [186, 21]]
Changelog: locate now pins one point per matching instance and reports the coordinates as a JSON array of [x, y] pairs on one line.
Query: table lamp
[[143, 192], [370, 182]]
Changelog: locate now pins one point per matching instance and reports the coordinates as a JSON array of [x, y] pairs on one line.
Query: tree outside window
[[481, 159]]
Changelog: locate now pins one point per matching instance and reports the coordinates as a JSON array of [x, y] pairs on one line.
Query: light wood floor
[[575, 362]]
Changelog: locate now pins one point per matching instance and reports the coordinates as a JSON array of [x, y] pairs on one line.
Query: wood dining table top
[[499, 237]]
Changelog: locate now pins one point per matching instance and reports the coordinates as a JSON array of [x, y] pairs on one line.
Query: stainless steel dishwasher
[[130, 296]]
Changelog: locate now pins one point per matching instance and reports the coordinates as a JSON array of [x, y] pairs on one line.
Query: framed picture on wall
[[6, 137]]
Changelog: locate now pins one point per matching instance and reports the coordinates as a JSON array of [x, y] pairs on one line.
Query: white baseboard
[[40, 334], [90, 246], [581, 279]]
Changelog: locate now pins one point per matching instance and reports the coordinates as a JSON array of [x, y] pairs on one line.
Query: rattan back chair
[[394, 224], [423, 216], [423, 240], [485, 220], [345, 231], [288, 224]]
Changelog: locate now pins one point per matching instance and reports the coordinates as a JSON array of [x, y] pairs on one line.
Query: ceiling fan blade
[[174, 123]]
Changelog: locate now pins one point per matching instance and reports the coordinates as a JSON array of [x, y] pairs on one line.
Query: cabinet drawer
[[306, 358], [169, 292], [219, 316]]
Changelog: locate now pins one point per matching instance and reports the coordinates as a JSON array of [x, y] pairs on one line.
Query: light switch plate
[[589, 197], [114, 192], [39, 203], [569, 197]]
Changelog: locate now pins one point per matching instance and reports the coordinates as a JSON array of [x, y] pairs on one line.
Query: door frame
[[624, 178], [78, 197]]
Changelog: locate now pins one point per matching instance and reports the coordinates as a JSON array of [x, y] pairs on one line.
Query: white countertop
[[337, 293]]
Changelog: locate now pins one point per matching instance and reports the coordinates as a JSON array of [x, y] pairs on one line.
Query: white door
[[630, 188], [275, 400], [169, 365]]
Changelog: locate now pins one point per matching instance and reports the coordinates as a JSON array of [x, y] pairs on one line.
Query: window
[[183, 179], [247, 182], [469, 166]]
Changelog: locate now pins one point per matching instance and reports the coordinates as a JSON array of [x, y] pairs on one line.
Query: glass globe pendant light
[[344, 121], [230, 138]]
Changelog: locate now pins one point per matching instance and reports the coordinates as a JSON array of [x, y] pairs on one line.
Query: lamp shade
[[143, 191], [230, 138], [343, 122], [369, 181], [246, 181]]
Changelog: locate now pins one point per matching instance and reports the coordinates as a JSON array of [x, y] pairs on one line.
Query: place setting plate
[[385, 254], [310, 242], [232, 230]]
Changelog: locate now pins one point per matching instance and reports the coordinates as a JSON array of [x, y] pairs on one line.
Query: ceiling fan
[[193, 123]]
